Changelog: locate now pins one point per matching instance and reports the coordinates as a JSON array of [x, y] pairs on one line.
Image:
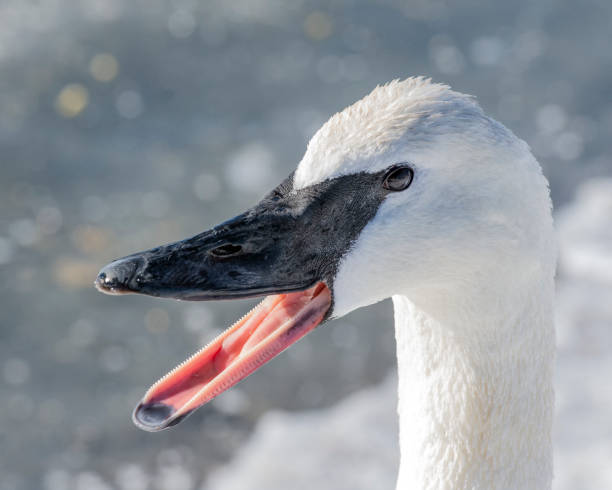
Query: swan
[[411, 193]]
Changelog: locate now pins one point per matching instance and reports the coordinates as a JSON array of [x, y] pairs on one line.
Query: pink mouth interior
[[276, 323]]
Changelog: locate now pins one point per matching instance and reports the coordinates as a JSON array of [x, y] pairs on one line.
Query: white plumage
[[467, 254]]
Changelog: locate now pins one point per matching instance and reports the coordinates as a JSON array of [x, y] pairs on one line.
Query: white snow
[[350, 446]]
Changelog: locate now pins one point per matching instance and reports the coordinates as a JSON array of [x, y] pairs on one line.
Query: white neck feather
[[475, 394], [468, 251]]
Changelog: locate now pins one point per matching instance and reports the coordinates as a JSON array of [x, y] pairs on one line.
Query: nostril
[[227, 250]]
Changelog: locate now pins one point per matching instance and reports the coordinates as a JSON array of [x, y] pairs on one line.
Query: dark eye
[[398, 178]]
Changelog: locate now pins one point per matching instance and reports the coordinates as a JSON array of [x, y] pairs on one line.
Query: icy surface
[[353, 446], [350, 446], [583, 427]]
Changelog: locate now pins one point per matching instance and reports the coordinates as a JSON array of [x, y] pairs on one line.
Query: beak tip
[[156, 416], [115, 277], [100, 281], [152, 416]]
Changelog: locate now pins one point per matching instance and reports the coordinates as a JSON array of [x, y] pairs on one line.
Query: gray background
[[192, 112]]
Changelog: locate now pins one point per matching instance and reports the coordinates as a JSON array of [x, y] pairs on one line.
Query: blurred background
[[124, 125]]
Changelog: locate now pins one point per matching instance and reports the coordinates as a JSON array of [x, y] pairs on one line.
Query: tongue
[[276, 323]]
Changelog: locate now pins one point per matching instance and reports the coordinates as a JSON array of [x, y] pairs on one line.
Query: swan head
[[477, 211], [412, 190]]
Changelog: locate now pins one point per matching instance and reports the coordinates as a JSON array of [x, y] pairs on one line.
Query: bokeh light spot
[[91, 239], [88, 480], [551, 118], [206, 187], [24, 232], [233, 402], [155, 204], [94, 208], [16, 371], [6, 251], [114, 359], [487, 50], [49, 220], [132, 477], [174, 476], [104, 67], [157, 320], [83, 333], [181, 23], [74, 273], [445, 55], [250, 168], [57, 479], [71, 100], [318, 25], [568, 145], [129, 104], [198, 318]]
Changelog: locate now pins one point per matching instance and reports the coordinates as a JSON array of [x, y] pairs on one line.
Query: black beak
[[288, 242], [256, 253]]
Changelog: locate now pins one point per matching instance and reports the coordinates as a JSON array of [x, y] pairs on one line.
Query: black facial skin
[[288, 242]]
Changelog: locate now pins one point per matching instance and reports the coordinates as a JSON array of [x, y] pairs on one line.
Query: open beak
[[272, 326], [288, 248], [265, 251]]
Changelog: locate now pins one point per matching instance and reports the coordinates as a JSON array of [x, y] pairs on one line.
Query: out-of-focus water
[[126, 125]]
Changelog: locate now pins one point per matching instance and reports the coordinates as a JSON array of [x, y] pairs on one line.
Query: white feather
[[468, 255]]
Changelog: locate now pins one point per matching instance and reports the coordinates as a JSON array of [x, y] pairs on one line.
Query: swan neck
[[475, 396]]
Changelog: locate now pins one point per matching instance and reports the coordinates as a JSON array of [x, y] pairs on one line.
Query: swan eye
[[398, 178]]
